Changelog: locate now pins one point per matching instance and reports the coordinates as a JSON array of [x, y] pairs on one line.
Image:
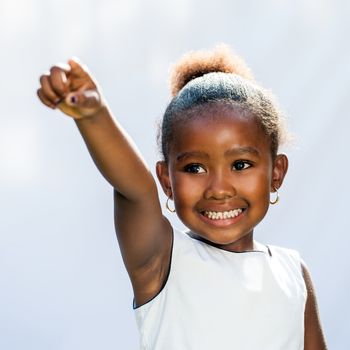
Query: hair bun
[[197, 63]]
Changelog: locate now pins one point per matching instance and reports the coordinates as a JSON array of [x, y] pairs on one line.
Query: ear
[[162, 171], [279, 171]]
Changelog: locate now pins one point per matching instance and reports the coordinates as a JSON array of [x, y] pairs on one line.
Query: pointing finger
[[77, 68]]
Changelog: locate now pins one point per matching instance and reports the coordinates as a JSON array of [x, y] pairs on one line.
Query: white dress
[[219, 300]]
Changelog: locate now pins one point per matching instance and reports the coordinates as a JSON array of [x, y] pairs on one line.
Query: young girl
[[213, 287]]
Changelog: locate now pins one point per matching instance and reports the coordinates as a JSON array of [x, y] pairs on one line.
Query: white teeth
[[219, 215]]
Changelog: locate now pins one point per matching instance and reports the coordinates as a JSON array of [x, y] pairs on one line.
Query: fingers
[[44, 99], [71, 89], [80, 75], [47, 89], [54, 85], [59, 81], [77, 68]]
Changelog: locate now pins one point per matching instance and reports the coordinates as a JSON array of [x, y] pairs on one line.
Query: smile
[[222, 215]]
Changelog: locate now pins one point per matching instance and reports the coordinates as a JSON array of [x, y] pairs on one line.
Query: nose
[[219, 187]]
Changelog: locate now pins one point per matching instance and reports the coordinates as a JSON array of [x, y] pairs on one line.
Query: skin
[[204, 174], [220, 162]]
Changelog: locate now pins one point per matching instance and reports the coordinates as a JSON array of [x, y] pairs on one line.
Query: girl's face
[[220, 173]]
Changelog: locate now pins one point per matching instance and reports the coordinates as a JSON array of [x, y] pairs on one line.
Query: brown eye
[[194, 169], [241, 165]]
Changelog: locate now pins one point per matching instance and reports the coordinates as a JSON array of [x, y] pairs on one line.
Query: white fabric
[[216, 299]]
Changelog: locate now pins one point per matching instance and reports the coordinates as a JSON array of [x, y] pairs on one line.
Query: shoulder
[[284, 251], [184, 246], [287, 256], [183, 241], [313, 334]]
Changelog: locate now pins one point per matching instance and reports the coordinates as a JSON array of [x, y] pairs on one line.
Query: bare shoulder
[[314, 338]]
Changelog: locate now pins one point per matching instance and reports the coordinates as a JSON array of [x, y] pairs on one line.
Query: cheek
[[186, 189], [256, 185]]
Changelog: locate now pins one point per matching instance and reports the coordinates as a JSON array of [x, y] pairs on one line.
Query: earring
[[167, 206], [277, 197]]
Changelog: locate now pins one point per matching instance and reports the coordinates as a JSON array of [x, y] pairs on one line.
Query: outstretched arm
[[144, 234], [314, 338]]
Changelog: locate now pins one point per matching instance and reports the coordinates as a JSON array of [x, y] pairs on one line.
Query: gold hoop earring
[[167, 206], [277, 197]]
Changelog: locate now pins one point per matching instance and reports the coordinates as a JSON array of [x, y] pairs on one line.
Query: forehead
[[218, 129]]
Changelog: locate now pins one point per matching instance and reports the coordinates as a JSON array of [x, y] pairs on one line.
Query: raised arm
[[143, 233]]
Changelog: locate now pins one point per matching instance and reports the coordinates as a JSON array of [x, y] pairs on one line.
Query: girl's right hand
[[71, 88]]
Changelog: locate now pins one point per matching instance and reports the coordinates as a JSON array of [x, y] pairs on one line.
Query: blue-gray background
[[62, 282]]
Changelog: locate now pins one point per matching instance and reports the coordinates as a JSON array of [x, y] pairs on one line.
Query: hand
[[71, 88]]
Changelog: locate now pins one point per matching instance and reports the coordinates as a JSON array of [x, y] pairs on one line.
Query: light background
[[62, 282]]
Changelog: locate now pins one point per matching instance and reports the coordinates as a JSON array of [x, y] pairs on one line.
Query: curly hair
[[204, 78]]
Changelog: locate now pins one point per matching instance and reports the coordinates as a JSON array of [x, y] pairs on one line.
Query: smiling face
[[220, 173]]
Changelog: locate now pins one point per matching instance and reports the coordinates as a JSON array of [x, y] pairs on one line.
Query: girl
[[213, 287]]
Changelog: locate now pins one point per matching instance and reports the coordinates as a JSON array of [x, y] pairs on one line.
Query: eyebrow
[[194, 154], [242, 150], [235, 151]]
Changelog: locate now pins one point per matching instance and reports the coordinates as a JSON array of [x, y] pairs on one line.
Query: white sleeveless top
[[219, 300]]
